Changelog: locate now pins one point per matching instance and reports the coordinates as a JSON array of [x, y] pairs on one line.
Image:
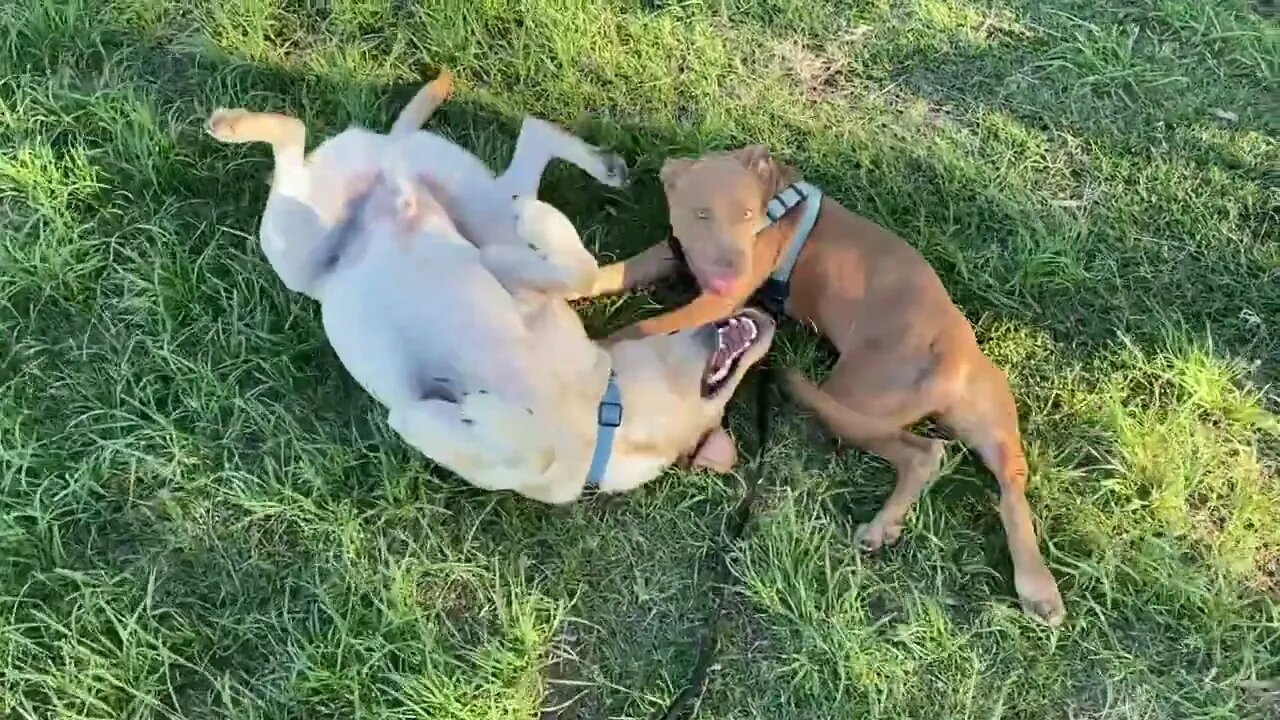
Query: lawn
[[201, 516]]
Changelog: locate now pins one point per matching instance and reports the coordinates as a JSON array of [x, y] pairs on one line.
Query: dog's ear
[[755, 158], [716, 451], [672, 170], [760, 161]]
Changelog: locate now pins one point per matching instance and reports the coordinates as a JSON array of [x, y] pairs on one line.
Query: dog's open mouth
[[734, 337]]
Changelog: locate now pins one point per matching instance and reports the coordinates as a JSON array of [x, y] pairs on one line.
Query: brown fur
[[906, 351]]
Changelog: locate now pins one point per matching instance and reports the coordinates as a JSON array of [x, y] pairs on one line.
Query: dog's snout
[[725, 262], [722, 270]]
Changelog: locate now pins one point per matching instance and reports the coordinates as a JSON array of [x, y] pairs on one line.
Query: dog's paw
[[613, 169], [526, 210], [873, 536], [606, 502], [1038, 593], [223, 124]]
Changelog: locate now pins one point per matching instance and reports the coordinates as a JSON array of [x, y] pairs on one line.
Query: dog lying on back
[[442, 290], [906, 351]]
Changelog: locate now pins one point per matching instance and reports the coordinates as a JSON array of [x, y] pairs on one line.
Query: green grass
[[201, 516]]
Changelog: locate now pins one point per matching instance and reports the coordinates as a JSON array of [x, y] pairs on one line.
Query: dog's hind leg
[[292, 233], [287, 136], [986, 418], [916, 459], [299, 243], [424, 103], [540, 142]]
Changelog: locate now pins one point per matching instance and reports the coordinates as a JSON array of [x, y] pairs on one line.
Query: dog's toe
[[1040, 598], [1051, 611], [222, 123], [873, 536]]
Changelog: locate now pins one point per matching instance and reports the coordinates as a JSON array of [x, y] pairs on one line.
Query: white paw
[[542, 226], [613, 170], [223, 123]]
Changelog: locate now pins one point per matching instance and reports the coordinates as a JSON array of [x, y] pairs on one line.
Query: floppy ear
[[755, 158], [759, 160], [717, 451], [672, 170]]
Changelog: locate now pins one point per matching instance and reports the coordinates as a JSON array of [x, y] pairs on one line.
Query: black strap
[[772, 296], [673, 243], [709, 632]]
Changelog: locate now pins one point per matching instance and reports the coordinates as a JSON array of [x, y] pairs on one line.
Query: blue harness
[[776, 291], [773, 296], [608, 420]]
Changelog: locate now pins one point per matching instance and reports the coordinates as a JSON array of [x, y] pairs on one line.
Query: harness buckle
[[609, 414]]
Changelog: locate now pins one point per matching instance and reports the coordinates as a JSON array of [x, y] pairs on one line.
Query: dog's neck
[[637, 456], [772, 242]]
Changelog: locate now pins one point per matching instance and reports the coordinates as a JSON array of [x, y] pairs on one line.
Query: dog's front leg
[[704, 309], [548, 256], [522, 269], [541, 141], [437, 429], [643, 268]]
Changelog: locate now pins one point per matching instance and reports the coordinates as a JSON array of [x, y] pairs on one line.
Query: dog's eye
[[702, 214]]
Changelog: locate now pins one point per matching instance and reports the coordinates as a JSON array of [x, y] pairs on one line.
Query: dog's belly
[[403, 325], [463, 183]]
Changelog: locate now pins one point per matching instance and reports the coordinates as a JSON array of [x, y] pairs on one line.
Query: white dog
[[443, 292]]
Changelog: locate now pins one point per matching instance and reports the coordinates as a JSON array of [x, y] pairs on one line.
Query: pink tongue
[[721, 285]]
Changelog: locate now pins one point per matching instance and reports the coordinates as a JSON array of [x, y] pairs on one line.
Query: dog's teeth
[[720, 373]]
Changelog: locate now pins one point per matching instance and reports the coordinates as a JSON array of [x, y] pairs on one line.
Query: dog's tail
[[843, 421], [431, 96]]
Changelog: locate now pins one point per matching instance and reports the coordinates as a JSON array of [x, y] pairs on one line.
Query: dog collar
[[608, 420], [777, 289]]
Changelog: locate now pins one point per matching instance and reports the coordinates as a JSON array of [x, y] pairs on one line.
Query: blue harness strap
[[776, 292], [608, 420]]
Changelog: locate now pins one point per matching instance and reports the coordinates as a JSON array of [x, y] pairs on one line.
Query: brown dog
[[906, 351]]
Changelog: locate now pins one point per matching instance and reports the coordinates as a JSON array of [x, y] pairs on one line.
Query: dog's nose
[[726, 263]]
